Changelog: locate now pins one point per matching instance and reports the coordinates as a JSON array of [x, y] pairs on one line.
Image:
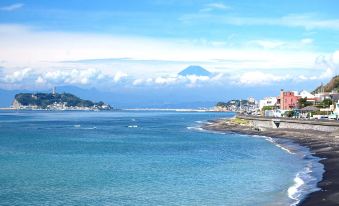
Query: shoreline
[[323, 145]]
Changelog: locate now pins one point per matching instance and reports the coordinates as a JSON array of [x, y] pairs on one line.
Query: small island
[[55, 101]]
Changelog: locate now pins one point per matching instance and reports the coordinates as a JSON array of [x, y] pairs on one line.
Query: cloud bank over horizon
[[325, 67], [143, 47], [61, 58]]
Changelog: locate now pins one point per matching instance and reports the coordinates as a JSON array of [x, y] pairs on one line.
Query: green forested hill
[[43, 100]]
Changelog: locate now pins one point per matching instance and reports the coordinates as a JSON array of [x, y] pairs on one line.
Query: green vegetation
[[289, 113], [43, 100], [221, 104], [239, 121], [319, 113], [235, 102], [267, 108], [325, 103], [302, 102]]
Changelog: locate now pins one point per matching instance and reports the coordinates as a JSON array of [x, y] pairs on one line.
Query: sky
[[140, 46]]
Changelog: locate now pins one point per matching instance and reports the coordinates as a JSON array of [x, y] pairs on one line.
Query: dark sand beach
[[322, 144]]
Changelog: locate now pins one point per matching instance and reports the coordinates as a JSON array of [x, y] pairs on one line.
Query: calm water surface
[[141, 158]]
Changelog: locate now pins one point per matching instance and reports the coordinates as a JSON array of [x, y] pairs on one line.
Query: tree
[[221, 104], [289, 113], [302, 102], [326, 103]]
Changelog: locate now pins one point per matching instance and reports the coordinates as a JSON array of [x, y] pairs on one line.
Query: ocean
[[145, 158]]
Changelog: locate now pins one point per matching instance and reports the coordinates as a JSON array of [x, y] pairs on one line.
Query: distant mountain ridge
[[195, 70]]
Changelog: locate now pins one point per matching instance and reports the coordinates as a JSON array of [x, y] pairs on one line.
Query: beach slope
[[323, 144]]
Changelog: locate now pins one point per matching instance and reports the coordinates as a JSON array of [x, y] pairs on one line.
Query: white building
[[267, 101], [336, 109], [251, 100], [273, 113], [305, 94]]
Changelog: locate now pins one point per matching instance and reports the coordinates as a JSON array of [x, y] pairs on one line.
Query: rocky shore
[[323, 144]]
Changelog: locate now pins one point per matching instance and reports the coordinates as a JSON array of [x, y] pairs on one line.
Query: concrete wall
[[262, 123]]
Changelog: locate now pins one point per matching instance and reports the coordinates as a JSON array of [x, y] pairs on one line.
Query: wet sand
[[322, 144]]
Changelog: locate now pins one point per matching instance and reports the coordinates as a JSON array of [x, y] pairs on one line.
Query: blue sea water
[[145, 158]]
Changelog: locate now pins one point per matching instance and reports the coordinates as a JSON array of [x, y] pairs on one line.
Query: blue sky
[[144, 44]]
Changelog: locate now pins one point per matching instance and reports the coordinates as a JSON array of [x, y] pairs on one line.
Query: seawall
[[263, 123]]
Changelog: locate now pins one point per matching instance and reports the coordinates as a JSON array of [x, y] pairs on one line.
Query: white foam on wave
[[297, 191], [281, 147], [132, 126], [294, 191], [270, 139], [195, 128], [303, 179], [89, 128], [85, 128], [204, 130]]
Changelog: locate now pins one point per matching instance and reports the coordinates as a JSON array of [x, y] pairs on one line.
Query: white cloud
[[40, 80], [12, 7], [194, 78], [215, 6], [75, 76], [93, 77], [307, 41], [189, 80], [137, 82], [166, 80], [119, 76], [18, 76], [28, 47], [279, 44], [325, 67], [258, 78], [268, 44], [335, 57], [306, 21], [154, 60]]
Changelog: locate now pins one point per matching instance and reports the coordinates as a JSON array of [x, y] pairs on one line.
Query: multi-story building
[[267, 101], [287, 100]]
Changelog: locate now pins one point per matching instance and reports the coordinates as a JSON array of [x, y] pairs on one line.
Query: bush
[[267, 108], [289, 113]]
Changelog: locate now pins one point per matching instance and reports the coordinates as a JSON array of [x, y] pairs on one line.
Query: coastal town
[[322, 103]]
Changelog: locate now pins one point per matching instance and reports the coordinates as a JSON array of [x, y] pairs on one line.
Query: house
[[251, 100], [267, 101], [310, 97], [287, 100]]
